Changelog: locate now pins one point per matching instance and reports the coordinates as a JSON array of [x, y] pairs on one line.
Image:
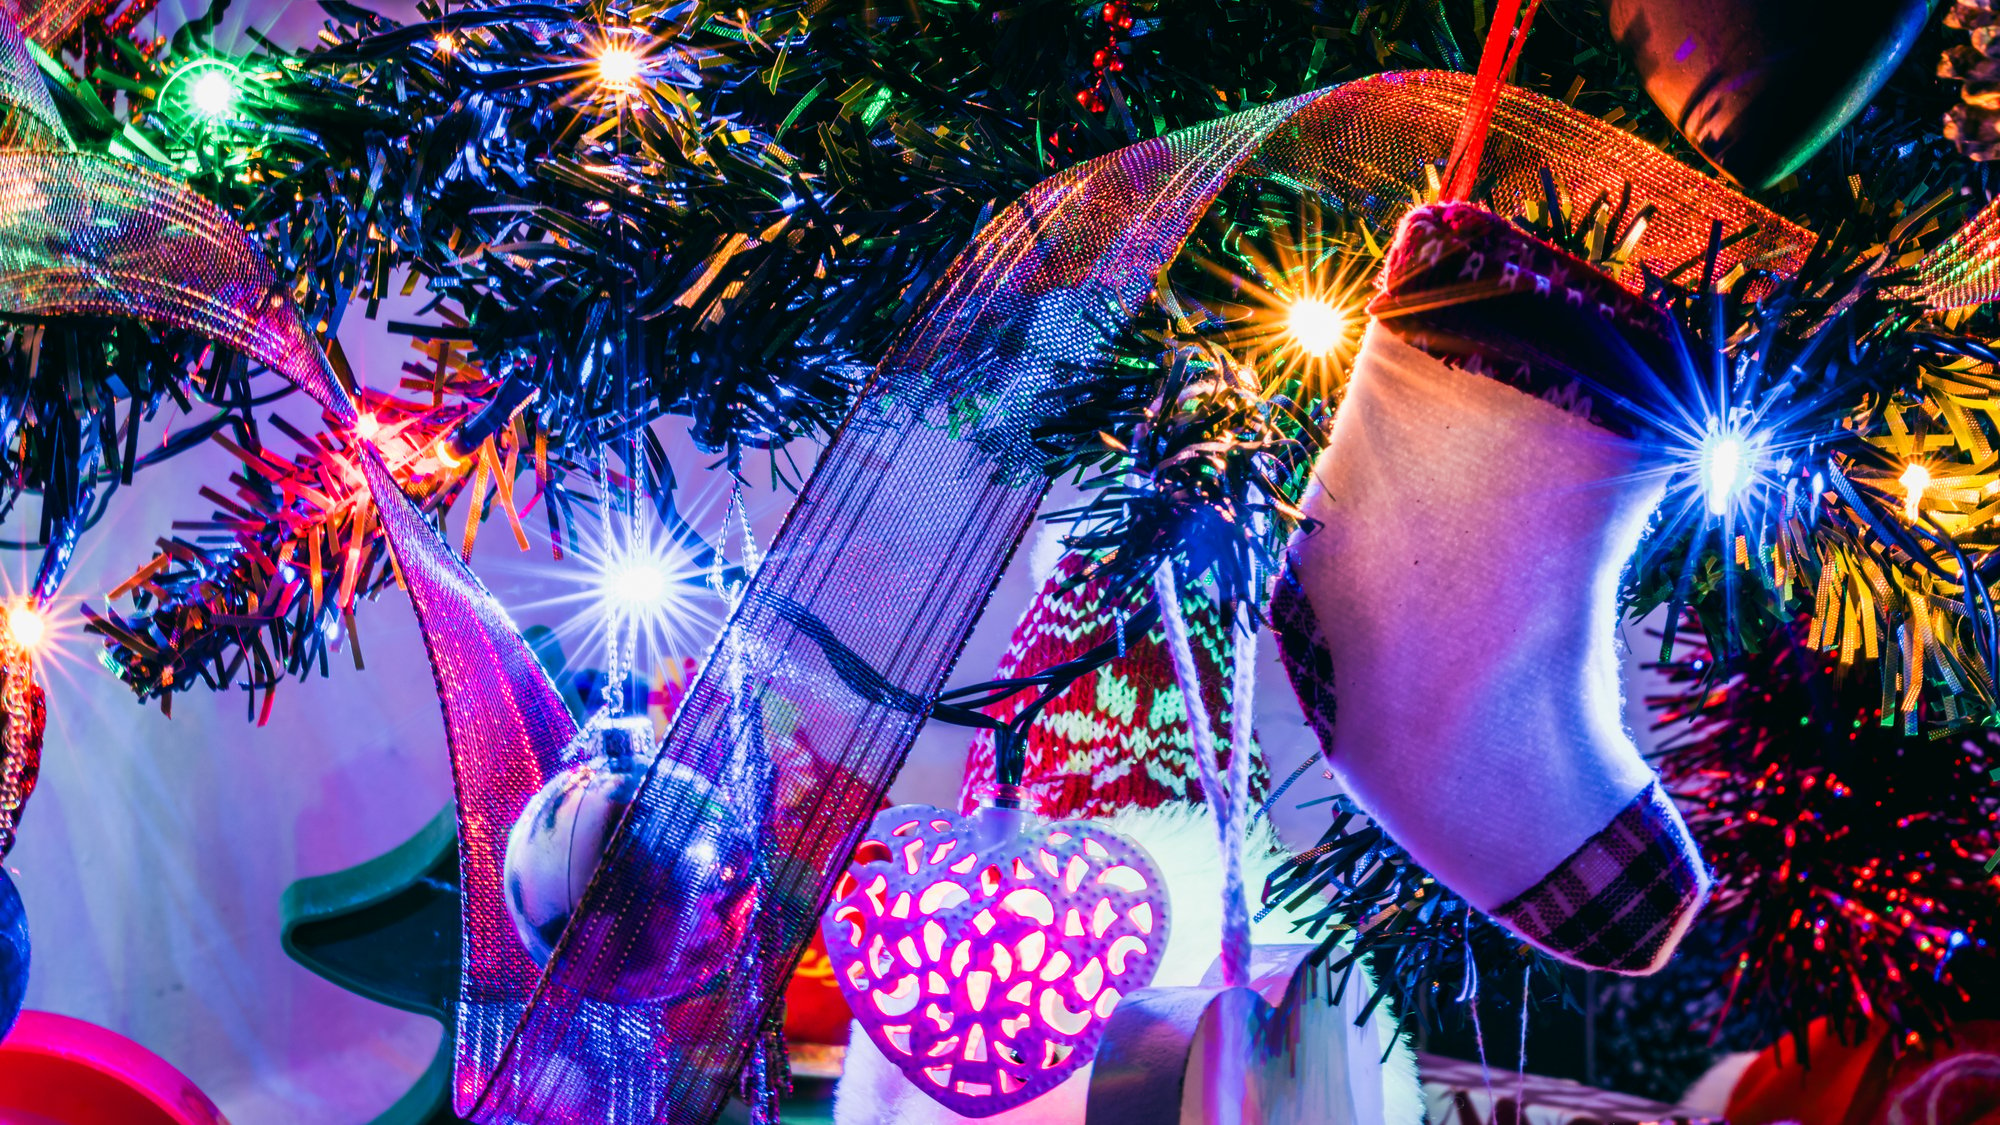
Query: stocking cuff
[[1623, 899], [1477, 292]]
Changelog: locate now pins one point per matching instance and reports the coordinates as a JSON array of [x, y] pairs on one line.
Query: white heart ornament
[[984, 954]]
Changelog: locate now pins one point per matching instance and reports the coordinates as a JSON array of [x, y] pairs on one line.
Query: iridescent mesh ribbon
[[1966, 269], [27, 113], [49, 22], [87, 235], [888, 556], [896, 541]]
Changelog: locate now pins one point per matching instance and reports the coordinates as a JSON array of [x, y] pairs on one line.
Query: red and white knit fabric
[[1118, 738]]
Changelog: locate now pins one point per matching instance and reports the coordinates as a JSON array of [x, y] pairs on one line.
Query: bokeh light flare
[[27, 625], [1317, 326]]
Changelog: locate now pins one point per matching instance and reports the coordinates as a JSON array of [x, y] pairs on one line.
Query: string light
[[647, 594], [1316, 325], [1728, 459], [652, 592], [207, 90], [619, 67], [637, 586], [446, 458], [1297, 300], [1916, 479], [26, 625]]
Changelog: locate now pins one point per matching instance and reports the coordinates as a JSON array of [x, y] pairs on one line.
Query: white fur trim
[[1709, 1096], [1463, 568]]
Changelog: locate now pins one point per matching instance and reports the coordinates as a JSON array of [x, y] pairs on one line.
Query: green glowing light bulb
[[212, 94]]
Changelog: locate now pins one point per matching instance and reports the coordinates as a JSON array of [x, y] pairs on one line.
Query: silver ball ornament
[[560, 837]]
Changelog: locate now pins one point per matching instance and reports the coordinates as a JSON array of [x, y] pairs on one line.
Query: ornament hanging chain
[[623, 650], [764, 1078], [1521, 1057], [765, 1074], [614, 672], [1468, 994], [733, 514], [1223, 801], [635, 541]]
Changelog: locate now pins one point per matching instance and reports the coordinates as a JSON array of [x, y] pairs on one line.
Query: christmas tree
[[615, 213]]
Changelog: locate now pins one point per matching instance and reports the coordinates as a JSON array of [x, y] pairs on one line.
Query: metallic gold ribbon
[[20, 734]]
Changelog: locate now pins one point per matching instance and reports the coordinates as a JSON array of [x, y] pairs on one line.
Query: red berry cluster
[[1117, 18]]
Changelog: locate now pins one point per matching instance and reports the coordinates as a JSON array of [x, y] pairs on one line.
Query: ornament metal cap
[[1003, 796], [1004, 812], [628, 738]]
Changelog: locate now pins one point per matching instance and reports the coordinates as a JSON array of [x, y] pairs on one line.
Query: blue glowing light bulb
[[1726, 461]]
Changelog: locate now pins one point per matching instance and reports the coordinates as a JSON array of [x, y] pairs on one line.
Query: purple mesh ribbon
[[27, 113], [88, 235], [883, 565]]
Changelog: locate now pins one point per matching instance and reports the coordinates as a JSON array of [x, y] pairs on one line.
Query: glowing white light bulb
[[619, 66], [27, 625], [637, 585], [1726, 461], [1916, 479], [367, 426], [212, 94]]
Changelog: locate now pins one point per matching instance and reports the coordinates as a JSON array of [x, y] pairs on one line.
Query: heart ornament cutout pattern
[[984, 954]]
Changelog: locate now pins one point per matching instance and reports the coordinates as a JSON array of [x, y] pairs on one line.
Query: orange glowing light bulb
[[27, 625], [619, 67], [1316, 325], [1916, 479]]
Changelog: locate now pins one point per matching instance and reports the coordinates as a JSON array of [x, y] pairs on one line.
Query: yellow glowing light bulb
[[619, 66], [1916, 479], [446, 458], [27, 625], [1316, 326]]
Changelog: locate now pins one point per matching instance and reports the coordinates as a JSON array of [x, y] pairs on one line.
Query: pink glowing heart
[[984, 954]]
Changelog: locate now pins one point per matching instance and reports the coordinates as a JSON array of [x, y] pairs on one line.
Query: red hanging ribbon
[[1496, 62]]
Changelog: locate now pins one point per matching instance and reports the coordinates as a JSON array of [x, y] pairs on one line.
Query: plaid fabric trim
[[1476, 292], [1303, 649], [1622, 900]]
